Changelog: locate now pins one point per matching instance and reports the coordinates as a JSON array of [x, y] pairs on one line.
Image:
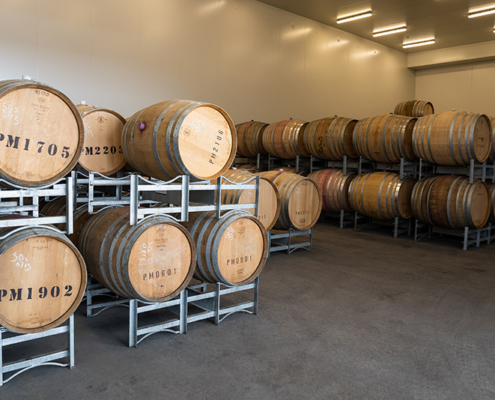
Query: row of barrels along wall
[[448, 138]]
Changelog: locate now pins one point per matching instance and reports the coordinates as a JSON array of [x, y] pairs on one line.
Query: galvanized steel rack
[[17, 196], [95, 289], [179, 192], [208, 298], [9, 338], [210, 301], [400, 226], [282, 240]]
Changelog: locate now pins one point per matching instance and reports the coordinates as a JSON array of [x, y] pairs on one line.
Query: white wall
[[464, 87], [256, 61]]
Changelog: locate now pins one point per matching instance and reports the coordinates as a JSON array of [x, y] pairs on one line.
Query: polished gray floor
[[361, 316]]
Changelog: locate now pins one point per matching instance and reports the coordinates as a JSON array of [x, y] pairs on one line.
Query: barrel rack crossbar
[[401, 226], [19, 196], [282, 240], [180, 192], [201, 296], [15, 368]]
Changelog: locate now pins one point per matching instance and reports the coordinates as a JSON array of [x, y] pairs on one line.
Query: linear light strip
[[389, 31], [354, 17], [420, 43], [481, 13]]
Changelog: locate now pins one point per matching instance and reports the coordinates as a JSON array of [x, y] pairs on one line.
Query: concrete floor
[[361, 316]]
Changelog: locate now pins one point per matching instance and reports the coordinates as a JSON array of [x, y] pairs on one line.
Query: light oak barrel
[[250, 138], [453, 138], [41, 133], [330, 138], [269, 197], [283, 139], [180, 137], [451, 202], [303, 172], [42, 279], [334, 186], [102, 151], [300, 200], [385, 138], [232, 250], [491, 157], [300, 140], [151, 261], [381, 195], [414, 108]]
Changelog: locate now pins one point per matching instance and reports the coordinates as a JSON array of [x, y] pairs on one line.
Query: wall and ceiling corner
[[254, 60]]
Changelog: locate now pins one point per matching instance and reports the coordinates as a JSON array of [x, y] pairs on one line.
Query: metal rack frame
[[196, 295], [283, 241], [179, 192], [63, 187], [8, 338]]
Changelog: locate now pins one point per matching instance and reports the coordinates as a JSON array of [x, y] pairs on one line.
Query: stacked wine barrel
[[42, 273], [334, 187], [231, 250], [414, 108], [451, 202], [381, 195], [300, 200], [41, 133], [250, 138], [268, 199], [151, 261], [180, 137], [102, 151], [285, 139]]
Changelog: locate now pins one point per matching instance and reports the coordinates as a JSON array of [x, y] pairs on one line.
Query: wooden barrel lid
[[41, 133], [102, 151], [241, 249], [304, 204], [160, 261], [404, 197], [205, 134], [482, 138], [42, 281], [480, 204]]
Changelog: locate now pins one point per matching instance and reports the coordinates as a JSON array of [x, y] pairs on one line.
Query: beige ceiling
[[446, 20]]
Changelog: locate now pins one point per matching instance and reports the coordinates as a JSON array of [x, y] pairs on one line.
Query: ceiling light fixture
[[354, 17], [423, 42], [390, 31], [481, 13]]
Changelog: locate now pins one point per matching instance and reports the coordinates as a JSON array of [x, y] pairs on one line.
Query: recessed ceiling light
[[354, 17], [384, 32], [417, 43], [480, 13]]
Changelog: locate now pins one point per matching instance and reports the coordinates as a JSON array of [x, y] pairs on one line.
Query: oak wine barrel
[[381, 195], [293, 170], [284, 139], [269, 198], [453, 138], [330, 138], [451, 202], [300, 140], [151, 261], [41, 133], [492, 202], [491, 157], [414, 108], [180, 137], [300, 200], [250, 138], [42, 279], [102, 151], [385, 138], [334, 186], [231, 250]]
